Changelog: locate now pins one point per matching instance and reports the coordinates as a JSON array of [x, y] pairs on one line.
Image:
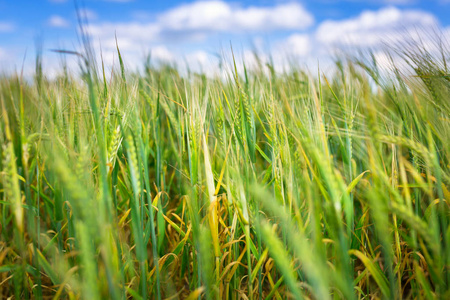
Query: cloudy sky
[[200, 31]]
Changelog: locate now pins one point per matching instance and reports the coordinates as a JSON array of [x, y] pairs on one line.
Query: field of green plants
[[257, 185]]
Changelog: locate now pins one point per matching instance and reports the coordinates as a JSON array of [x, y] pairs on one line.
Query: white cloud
[[161, 53], [223, 17], [372, 27], [58, 22], [197, 20], [201, 61], [198, 57], [446, 34], [88, 14], [128, 34], [168, 35], [6, 27], [297, 44]]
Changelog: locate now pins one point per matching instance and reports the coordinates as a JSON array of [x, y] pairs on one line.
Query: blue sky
[[196, 31]]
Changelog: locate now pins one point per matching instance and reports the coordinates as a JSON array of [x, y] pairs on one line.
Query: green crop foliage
[[256, 185]]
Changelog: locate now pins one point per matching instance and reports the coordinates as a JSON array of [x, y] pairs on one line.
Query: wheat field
[[256, 185]]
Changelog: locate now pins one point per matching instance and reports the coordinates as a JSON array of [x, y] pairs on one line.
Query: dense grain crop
[[259, 185]]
